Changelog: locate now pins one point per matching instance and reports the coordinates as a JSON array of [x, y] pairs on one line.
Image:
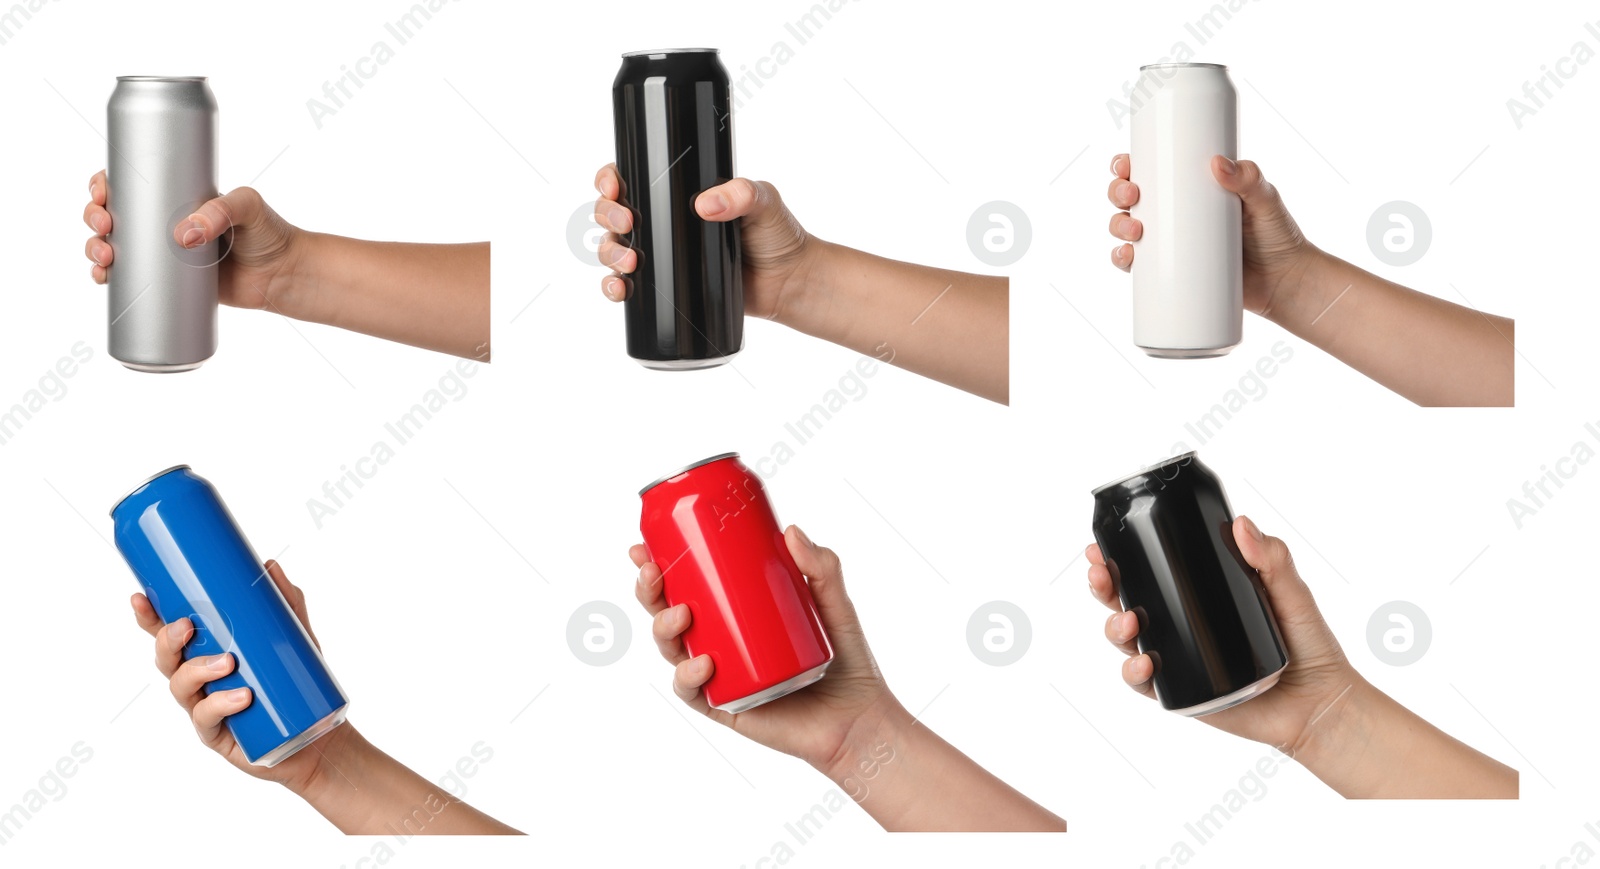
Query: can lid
[[162, 78], [687, 468], [147, 481], [651, 51], [1183, 66], [1145, 470]]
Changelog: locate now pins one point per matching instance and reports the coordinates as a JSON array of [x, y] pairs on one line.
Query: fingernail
[[193, 235], [605, 287], [713, 204], [176, 632], [1230, 167], [1115, 162], [1250, 526], [699, 666], [1116, 254], [94, 257], [217, 664], [239, 695], [803, 538]]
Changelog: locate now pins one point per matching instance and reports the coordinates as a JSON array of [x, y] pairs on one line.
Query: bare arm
[[948, 326]]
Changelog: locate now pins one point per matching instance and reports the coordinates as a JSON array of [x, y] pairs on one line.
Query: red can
[[712, 531]]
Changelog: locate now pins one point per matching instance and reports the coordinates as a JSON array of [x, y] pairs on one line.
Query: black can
[[1204, 620], [674, 125]]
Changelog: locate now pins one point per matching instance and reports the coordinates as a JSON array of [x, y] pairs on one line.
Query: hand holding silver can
[[162, 133]]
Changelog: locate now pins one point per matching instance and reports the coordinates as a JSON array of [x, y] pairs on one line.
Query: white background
[[442, 591]]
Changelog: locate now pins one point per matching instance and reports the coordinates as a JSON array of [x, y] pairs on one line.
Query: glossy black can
[[1204, 620], [674, 125]]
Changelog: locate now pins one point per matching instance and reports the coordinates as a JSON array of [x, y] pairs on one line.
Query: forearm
[[1428, 350], [907, 778], [434, 296], [949, 326], [367, 792], [1367, 746]]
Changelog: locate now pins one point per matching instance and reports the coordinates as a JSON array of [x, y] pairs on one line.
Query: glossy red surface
[[712, 531]]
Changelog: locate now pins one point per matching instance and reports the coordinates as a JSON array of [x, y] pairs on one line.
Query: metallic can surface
[[161, 167], [674, 129], [1188, 267], [193, 561], [1204, 620], [711, 530]]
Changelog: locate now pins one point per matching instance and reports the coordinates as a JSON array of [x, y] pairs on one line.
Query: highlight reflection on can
[[674, 129], [162, 165], [1204, 619], [1188, 266], [712, 531], [193, 561]]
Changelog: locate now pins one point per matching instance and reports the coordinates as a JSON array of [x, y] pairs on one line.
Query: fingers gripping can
[[161, 167], [1167, 536], [1188, 268], [712, 531], [674, 128], [192, 561]]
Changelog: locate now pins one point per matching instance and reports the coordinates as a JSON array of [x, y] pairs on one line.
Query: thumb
[[1244, 179], [241, 207], [1289, 594], [738, 198], [826, 577]]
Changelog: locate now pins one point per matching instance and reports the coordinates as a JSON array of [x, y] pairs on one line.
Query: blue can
[[192, 559]]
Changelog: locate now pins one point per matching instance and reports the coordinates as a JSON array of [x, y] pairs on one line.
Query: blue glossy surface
[[192, 560]]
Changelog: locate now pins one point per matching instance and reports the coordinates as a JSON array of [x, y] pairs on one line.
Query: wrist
[[297, 288], [802, 301], [338, 756], [1338, 726], [869, 742], [1301, 293]]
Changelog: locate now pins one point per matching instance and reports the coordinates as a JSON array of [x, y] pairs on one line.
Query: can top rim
[[687, 468], [651, 51], [147, 481], [1145, 470], [1222, 66], [161, 78]]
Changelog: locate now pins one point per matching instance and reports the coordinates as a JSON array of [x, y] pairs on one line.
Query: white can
[[1188, 268]]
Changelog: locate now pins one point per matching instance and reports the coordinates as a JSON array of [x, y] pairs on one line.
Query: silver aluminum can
[[162, 165], [1188, 269]]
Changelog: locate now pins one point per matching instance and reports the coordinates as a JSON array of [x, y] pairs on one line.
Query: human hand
[[1318, 672], [812, 724], [188, 679], [1276, 253], [263, 254], [777, 251]]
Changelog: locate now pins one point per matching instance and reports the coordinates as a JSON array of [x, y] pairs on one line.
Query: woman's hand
[[188, 679], [811, 724], [777, 251], [1276, 253], [1318, 672]]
